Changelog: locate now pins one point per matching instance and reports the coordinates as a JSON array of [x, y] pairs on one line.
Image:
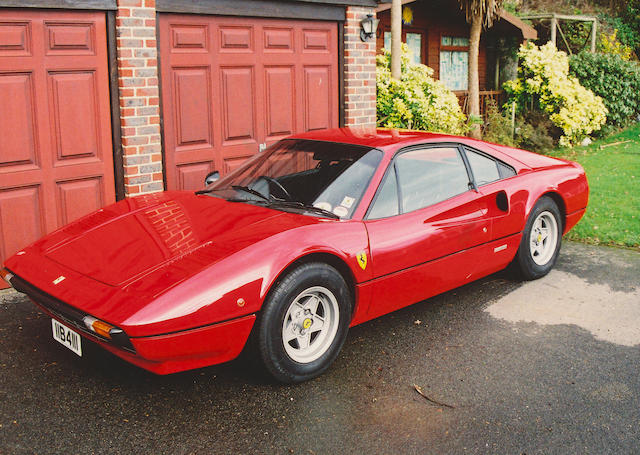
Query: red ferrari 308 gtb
[[320, 232]]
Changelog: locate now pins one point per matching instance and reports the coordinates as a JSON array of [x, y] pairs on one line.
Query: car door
[[505, 208], [424, 225]]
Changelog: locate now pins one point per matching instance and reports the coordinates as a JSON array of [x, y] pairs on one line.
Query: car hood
[[122, 243]]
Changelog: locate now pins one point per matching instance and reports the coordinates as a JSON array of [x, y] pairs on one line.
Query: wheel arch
[[560, 203], [327, 258]]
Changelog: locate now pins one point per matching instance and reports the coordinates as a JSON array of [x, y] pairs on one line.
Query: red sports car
[[320, 232]]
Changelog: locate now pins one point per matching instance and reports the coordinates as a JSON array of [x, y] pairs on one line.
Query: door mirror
[[212, 177]]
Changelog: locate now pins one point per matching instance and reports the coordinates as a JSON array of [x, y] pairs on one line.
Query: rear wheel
[[541, 240], [303, 323]]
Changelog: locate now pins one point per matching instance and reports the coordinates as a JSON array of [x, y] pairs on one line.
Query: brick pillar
[[359, 71], [139, 99]]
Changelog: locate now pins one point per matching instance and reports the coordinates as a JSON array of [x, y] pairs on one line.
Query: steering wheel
[[273, 181]]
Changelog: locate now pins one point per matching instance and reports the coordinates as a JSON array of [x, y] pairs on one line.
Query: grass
[[613, 214]]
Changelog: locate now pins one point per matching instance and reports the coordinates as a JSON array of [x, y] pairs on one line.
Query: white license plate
[[64, 335]]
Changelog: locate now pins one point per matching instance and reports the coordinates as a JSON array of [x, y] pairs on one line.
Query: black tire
[[530, 264], [270, 326]]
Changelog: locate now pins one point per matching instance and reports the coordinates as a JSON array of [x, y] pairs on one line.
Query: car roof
[[382, 138]]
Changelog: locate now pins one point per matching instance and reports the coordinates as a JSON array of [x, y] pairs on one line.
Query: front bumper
[[160, 354]]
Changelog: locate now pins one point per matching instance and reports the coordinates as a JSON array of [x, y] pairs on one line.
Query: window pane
[[387, 41], [446, 40], [429, 176], [460, 41], [506, 171], [414, 41], [484, 169], [386, 204], [454, 69]]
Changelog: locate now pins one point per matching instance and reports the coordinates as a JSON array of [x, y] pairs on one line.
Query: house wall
[[359, 72], [437, 22], [139, 96]]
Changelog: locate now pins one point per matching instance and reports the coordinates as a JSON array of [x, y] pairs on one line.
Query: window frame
[[451, 48], [466, 148], [410, 29], [392, 168], [462, 150]]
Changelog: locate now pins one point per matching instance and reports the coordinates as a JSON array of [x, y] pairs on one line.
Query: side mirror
[[212, 177]]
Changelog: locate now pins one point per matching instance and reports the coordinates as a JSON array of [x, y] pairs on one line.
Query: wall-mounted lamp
[[368, 27]]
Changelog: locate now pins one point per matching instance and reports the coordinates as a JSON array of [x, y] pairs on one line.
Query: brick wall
[[139, 101], [360, 71]]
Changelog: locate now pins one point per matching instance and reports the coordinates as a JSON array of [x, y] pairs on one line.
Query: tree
[[396, 38], [480, 14]]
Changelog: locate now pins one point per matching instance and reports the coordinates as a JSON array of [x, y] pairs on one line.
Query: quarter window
[[485, 170], [431, 175]]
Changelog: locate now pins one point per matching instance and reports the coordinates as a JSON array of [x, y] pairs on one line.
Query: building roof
[[527, 31]]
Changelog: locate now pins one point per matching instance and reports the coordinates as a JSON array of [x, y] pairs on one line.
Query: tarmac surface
[[505, 367]]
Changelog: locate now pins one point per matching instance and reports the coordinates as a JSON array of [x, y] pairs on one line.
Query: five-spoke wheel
[[310, 324], [303, 322], [541, 240]]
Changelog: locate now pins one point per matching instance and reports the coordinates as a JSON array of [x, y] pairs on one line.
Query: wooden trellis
[[555, 26]]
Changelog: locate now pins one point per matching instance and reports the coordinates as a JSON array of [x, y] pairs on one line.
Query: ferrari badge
[[362, 259]]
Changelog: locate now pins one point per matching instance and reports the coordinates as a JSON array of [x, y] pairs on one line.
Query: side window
[[506, 171], [485, 170], [430, 175], [386, 203]]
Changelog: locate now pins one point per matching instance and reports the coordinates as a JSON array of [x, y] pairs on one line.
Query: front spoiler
[[160, 354]]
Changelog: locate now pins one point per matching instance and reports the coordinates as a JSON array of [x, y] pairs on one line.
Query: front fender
[[238, 284]]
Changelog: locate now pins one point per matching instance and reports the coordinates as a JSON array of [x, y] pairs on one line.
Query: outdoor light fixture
[[368, 27]]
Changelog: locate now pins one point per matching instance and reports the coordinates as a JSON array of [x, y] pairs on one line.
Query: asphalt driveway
[[550, 366]]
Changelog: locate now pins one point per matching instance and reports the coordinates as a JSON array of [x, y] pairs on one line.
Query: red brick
[[147, 91], [132, 189], [129, 3]]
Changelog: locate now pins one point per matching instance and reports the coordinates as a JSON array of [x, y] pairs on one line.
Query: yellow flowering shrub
[[610, 44], [417, 100], [544, 83]]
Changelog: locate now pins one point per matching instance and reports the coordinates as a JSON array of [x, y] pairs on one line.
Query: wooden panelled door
[[56, 157], [230, 84]]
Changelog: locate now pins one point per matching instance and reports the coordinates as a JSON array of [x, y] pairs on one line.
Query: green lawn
[[613, 214]]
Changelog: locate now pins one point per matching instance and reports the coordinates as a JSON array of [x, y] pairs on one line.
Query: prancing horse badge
[[362, 259]]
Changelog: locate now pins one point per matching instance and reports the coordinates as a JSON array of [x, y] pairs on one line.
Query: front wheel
[[303, 323], [541, 240]]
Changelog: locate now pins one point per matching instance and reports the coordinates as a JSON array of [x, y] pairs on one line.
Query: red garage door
[[56, 159], [231, 84]]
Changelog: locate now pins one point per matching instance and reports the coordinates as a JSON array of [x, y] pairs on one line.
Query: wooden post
[[594, 29], [396, 39], [513, 119], [554, 26]]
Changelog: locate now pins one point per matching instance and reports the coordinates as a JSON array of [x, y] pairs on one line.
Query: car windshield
[[312, 177]]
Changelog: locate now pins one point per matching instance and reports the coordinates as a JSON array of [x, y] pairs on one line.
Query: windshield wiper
[[307, 207], [246, 189]]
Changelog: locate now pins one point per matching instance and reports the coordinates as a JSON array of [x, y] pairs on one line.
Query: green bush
[[497, 127], [533, 129], [535, 132], [612, 78], [417, 100], [544, 84]]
